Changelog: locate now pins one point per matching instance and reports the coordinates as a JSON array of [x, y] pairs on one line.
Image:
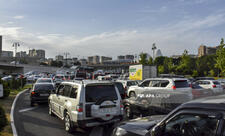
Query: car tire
[[31, 103], [50, 110], [128, 112], [132, 94], [68, 123]]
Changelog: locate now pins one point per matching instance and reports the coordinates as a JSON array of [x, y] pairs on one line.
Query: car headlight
[[120, 132]]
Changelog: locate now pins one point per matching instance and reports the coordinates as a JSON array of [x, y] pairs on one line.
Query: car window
[[145, 83], [94, 93], [191, 125], [73, 93], [206, 82], [216, 83], [154, 83], [130, 83], [43, 87], [181, 83], [164, 83], [66, 90], [60, 90]]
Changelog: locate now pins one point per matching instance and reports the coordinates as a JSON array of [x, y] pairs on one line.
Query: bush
[[3, 120]]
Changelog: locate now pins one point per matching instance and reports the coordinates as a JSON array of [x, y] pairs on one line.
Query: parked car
[[128, 83], [40, 92], [202, 117], [211, 84], [86, 104], [173, 84], [7, 78], [198, 91], [222, 82]]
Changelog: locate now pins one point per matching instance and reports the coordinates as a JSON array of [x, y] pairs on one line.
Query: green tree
[[150, 61], [220, 57], [159, 60], [143, 58], [187, 64]]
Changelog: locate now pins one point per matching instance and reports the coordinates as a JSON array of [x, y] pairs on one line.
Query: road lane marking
[[27, 109], [12, 111]]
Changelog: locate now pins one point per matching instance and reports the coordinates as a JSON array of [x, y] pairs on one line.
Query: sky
[[111, 27]]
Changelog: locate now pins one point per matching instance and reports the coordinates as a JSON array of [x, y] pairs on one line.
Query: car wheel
[[31, 104], [128, 112], [132, 94], [68, 123], [50, 110]]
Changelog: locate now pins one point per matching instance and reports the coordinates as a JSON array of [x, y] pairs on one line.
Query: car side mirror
[[158, 130]]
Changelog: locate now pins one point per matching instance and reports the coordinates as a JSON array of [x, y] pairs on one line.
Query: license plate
[[44, 94], [106, 110]]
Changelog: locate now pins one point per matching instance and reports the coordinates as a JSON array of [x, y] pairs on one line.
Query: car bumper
[[95, 122], [39, 99]]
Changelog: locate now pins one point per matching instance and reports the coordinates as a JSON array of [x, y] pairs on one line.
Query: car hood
[[141, 126]]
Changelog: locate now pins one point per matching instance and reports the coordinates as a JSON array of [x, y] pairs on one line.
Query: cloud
[[188, 33], [151, 10], [18, 17]]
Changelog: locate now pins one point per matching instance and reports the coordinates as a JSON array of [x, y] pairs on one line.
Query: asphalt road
[[36, 121]]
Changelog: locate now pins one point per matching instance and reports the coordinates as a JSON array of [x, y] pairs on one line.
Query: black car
[[202, 117], [121, 89], [40, 92]]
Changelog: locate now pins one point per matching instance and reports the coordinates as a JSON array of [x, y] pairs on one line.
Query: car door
[[144, 85], [73, 102], [189, 124], [62, 99], [56, 99]]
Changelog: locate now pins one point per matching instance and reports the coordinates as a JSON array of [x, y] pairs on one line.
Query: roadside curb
[[12, 111]]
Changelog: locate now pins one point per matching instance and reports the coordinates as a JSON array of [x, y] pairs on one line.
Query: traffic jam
[[133, 103]]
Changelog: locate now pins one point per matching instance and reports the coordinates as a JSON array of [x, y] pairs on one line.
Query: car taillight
[[214, 86], [174, 87], [32, 92], [79, 109]]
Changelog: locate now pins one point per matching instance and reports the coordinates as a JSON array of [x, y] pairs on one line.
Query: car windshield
[[181, 83], [43, 87], [97, 92], [131, 83]]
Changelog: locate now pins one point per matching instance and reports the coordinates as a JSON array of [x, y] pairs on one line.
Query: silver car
[[86, 104]]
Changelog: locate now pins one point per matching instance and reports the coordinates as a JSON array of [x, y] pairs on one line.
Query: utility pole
[[15, 45], [66, 54], [153, 50]]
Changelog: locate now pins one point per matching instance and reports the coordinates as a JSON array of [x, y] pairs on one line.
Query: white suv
[[86, 104], [214, 85], [173, 84]]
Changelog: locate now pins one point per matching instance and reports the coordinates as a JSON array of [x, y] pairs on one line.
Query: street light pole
[[15, 44], [153, 50]]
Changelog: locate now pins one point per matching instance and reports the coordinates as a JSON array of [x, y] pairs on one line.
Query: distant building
[[59, 58], [104, 59], [204, 50], [121, 57], [37, 53], [83, 62], [7, 54], [158, 53], [129, 57], [21, 54], [93, 60], [178, 56]]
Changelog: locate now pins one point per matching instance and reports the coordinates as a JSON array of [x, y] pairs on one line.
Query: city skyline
[[111, 28]]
